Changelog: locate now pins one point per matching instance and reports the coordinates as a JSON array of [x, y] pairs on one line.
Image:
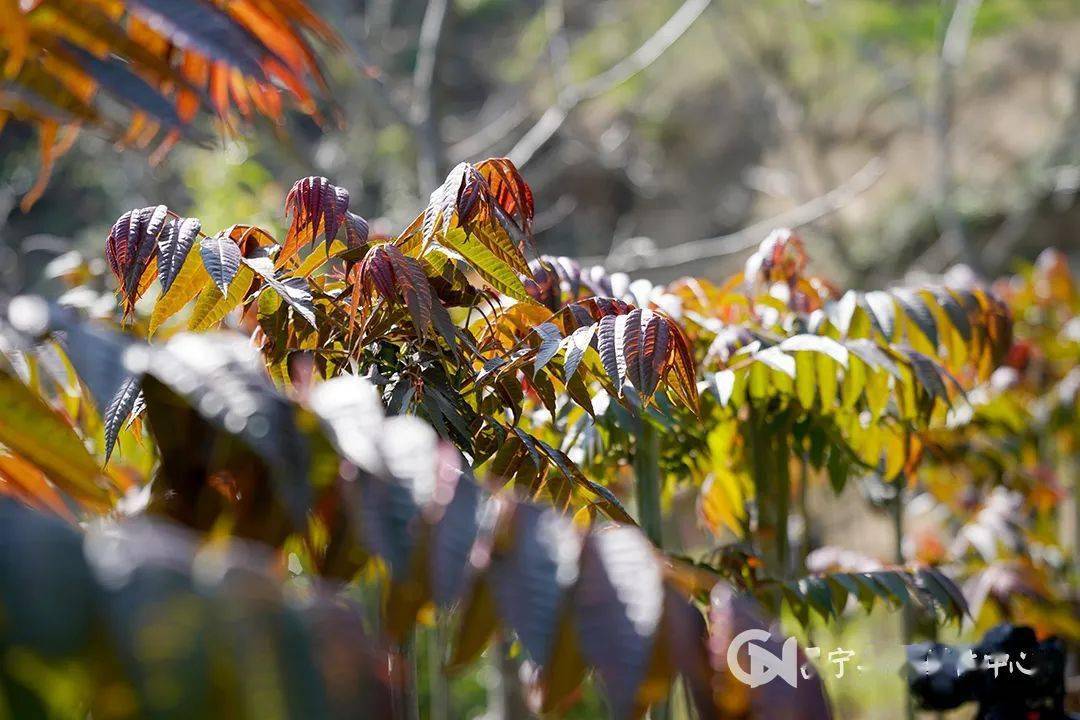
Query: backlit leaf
[[174, 244], [221, 258], [34, 431]]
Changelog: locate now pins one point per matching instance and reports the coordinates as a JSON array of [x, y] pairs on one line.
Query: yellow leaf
[[211, 307], [854, 381], [16, 36], [27, 483], [33, 430], [317, 258], [827, 382], [187, 284]]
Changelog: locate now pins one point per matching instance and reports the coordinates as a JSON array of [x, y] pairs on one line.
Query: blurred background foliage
[[966, 111]]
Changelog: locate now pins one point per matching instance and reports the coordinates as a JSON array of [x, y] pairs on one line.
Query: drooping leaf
[[356, 232], [731, 614], [316, 205], [653, 356], [118, 411], [453, 540], [778, 360], [532, 577], [395, 277], [620, 599], [609, 334], [491, 206], [207, 29], [816, 343], [550, 342], [131, 246], [494, 271], [925, 337], [293, 290], [882, 312], [129, 88], [220, 377], [509, 199], [576, 344], [221, 258], [94, 351], [174, 244]]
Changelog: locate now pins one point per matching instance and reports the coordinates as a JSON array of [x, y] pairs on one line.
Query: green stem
[[437, 685], [505, 699], [769, 449], [647, 480], [781, 457], [412, 689], [906, 619], [804, 511], [762, 477]]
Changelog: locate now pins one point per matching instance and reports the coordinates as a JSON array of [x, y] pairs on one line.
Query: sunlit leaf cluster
[[442, 427]]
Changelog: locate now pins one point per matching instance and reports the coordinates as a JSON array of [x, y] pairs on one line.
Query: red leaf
[[510, 195], [131, 247], [315, 205], [656, 334], [641, 346], [394, 276]]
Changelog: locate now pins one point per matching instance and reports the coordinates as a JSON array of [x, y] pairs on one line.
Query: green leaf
[[494, 271], [805, 379], [853, 383], [827, 369], [954, 312], [817, 592], [944, 591], [882, 312], [838, 469], [895, 584]]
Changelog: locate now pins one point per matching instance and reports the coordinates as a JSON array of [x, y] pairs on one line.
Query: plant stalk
[[437, 685], [769, 448], [781, 460], [906, 619], [647, 480]]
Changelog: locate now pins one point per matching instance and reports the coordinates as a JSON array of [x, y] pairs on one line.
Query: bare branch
[[572, 96], [483, 139], [642, 253], [954, 45], [431, 151], [374, 73], [1001, 245]]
